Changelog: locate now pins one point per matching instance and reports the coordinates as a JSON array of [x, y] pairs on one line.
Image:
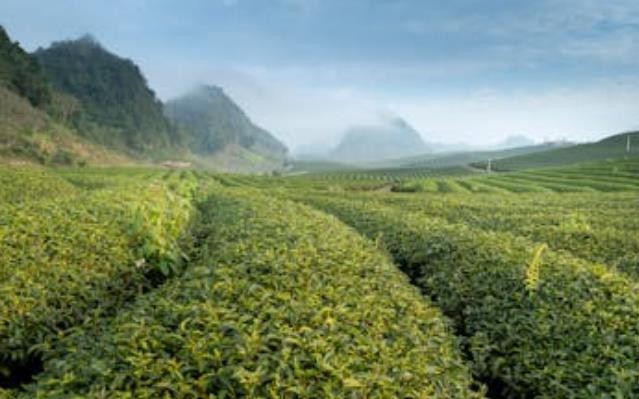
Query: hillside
[[609, 148], [219, 133], [363, 144], [20, 72], [77, 103], [28, 134], [32, 116], [464, 158], [114, 104]]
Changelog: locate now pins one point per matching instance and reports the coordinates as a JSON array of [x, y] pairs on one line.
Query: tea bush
[[280, 301], [18, 184], [596, 227], [77, 257], [538, 323]]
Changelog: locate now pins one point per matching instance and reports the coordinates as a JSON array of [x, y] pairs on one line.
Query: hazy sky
[[457, 70]]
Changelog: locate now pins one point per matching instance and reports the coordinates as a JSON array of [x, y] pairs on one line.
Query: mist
[[307, 71]]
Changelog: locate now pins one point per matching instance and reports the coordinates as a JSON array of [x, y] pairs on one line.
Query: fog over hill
[[308, 70], [395, 139], [214, 123]]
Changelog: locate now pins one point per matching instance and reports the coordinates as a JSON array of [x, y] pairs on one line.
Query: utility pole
[[628, 144], [489, 166]]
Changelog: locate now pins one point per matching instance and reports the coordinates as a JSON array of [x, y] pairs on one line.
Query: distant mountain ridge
[[394, 139], [215, 123], [514, 141]]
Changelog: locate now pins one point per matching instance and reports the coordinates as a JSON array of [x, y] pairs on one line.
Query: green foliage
[[573, 335], [20, 72], [271, 306], [20, 184], [613, 175], [73, 256], [117, 107], [267, 298], [594, 226]]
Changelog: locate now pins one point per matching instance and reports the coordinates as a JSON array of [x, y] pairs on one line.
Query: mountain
[[77, 103], [217, 129], [30, 128], [363, 144], [515, 141], [20, 73], [612, 147], [108, 97]]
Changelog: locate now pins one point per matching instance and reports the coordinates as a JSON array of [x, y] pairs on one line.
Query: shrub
[[81, 256], [272, 306], [537, 324]]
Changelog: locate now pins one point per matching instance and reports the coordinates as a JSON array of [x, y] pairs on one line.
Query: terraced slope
[[537, 323], [467, 157], [19, 184], [612, 147], [270, 306], [75, 255], [616, 175], [598, 227], [148, 283], [612, 175]]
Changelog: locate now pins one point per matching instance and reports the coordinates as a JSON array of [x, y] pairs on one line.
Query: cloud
[[307, 69], [540, 30], [622, 47], [298, 113], [579, 113], [303, 114]]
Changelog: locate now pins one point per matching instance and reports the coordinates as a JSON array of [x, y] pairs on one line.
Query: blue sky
[[472, 70]]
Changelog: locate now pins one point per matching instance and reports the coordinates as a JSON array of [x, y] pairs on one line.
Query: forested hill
[[214, 122], [33, 119], [115, 105], [76, 102], [20, 72]]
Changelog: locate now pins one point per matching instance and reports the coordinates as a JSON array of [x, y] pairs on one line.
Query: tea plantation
[[155, 283]]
